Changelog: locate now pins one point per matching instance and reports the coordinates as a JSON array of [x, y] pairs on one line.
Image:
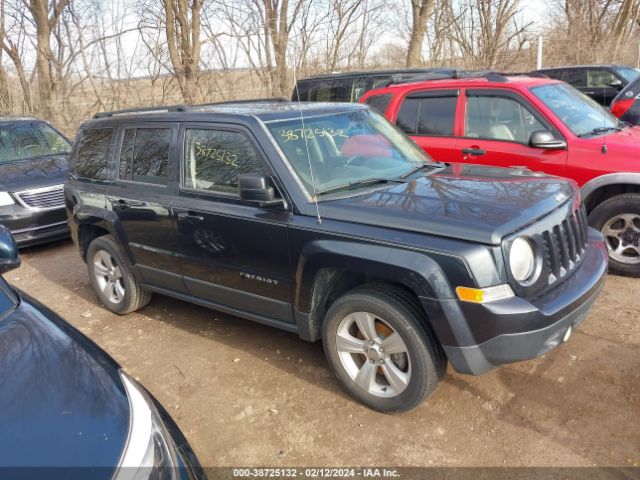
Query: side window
[[213, 159], [576, 77], [499, 118], [408, 115], [437, 115], [379, 102], [94, 152], [144, 156], [428, 115], [599, 78]]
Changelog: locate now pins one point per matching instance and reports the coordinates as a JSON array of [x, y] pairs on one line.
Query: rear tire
[[112, 278], [618, 219], [377, 341]]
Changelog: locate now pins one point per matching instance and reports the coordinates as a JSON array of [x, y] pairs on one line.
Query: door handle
[[190, 217], [473, 151]]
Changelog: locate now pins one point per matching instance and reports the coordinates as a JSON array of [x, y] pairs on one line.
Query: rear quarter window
[[93, 154], [379, 102]]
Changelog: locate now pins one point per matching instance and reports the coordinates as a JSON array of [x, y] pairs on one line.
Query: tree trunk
[[183, 23], [421, 10], [45, 23], [5, 98]]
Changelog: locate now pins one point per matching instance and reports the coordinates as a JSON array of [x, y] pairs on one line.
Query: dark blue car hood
[[466, 202], [62, 402], [33, 173]]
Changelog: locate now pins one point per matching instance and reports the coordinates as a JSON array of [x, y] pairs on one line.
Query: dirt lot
[[246, 394]]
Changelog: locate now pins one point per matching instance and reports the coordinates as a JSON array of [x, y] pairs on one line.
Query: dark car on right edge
[[626, 105], [326, 221], [600, 82]]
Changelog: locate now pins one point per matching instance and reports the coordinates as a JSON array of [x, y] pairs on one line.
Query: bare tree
[[183, 42], [487, 30], [278, 22], [46, 14], [5, 98], [421, 11]]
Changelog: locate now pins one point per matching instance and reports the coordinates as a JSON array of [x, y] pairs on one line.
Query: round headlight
[[522, 260]]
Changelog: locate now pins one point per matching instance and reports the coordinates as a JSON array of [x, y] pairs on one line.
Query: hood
[[33, 173], [628, 139], [62, 403], [467, 202]]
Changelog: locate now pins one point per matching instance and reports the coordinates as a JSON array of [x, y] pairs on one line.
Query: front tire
[[377, 342], [618, 219], [112, 278]]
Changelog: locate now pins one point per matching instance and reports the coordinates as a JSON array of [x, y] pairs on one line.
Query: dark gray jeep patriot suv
[[327, 221]]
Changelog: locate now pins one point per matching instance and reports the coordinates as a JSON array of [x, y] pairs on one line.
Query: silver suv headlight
[[523, 261], [149, 451]]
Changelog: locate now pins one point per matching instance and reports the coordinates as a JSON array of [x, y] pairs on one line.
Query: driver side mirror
[[256, 189], [617, 83], [9, 257], [546, 140]]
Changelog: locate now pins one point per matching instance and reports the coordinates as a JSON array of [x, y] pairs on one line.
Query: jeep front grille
[[42, 198], [565, 244]]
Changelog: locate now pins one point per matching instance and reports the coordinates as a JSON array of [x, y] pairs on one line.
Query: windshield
[[628, 73], [578, 112], [345, 149], [22, 140]]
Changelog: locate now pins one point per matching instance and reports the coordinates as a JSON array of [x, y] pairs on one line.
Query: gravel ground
[[245, 394]]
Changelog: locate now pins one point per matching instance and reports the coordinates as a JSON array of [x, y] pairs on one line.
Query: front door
[[232, 254], [141, 196], [497, 129]]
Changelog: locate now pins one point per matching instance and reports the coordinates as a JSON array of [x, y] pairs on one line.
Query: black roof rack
[[183, 107], [444, 74]]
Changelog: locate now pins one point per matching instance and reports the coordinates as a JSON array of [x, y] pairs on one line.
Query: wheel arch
[[604, 187], [328, 269]]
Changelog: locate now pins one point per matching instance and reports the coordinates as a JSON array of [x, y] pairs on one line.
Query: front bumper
[[32, 227], [479, 337]]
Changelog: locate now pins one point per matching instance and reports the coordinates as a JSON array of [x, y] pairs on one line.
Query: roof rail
[[144, 110], [250, 100], [182, 107], [490, 75]]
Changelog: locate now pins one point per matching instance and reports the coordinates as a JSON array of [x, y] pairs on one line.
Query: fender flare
[[102, 218], [414, 269], [608, 179]]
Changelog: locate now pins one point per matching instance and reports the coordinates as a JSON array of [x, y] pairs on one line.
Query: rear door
[[232, 254], [429, 118], [141, 196], [497, 128]]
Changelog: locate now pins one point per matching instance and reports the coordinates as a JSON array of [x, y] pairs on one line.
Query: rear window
[[430, 115], [94, 152], [144, 156], [324, 90], [379, 102]]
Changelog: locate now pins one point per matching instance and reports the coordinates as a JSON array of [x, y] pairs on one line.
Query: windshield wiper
[[434, 166], [360, 183], [599, 130]]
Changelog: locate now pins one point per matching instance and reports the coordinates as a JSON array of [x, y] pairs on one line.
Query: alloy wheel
[[622, 234], [109, 276], [373, 354]]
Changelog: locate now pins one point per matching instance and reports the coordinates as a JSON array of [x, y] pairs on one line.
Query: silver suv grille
[[564, 244], [42, 198]]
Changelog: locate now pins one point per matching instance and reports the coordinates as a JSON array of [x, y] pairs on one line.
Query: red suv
[[542, 124]]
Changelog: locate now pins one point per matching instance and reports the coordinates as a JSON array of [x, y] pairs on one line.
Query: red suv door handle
[[474, 151]]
